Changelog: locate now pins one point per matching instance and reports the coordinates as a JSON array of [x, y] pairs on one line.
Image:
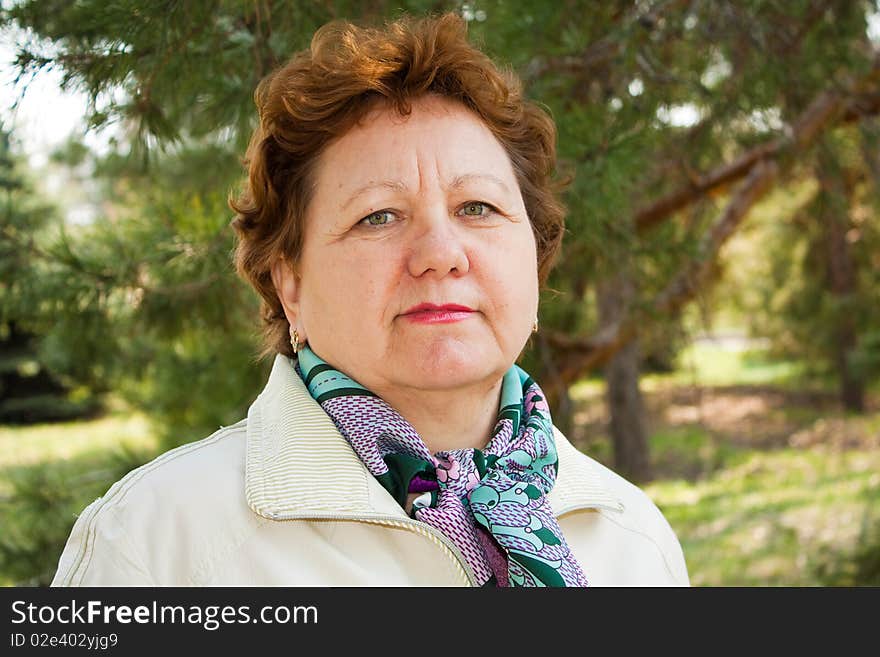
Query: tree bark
[[625, 408], [578, 355], [841, 279]]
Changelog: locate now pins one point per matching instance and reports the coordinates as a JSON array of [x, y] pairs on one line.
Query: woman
[[399, 216]]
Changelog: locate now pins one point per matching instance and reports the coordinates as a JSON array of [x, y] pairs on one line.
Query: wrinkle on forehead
[[397, 160]]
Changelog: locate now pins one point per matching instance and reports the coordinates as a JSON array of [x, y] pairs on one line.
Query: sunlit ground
[[48, 474], [763, 479], [48, 442]]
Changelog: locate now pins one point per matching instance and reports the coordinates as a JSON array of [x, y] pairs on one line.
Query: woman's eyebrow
[[393, 185], [460, 181], [399, 186]]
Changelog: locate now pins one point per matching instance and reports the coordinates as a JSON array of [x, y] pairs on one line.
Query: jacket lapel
[[298, 465]]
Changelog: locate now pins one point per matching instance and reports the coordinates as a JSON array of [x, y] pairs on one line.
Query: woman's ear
[[287, 287]]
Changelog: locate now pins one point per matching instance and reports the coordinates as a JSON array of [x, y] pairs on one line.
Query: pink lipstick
[[429, 313]]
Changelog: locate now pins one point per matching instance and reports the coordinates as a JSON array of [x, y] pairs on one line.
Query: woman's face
[[418, 267]]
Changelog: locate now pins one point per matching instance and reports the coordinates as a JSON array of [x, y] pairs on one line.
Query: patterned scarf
[[490, 503]]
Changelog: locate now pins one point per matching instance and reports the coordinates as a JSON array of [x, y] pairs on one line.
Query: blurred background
[[712, 329]]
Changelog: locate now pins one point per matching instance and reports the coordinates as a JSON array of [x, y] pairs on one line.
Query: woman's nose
[[437, 246]]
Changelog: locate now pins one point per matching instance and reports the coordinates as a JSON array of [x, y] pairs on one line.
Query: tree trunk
[[841, 274], [555, 389], [625, 407]]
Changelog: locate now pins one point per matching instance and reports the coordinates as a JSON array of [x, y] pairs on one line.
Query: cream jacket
[[280, 499]]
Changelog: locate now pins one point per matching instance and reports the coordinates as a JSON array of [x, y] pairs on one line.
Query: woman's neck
[[447, 420]]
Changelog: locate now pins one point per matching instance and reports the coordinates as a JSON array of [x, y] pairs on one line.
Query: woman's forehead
[[440, 139]]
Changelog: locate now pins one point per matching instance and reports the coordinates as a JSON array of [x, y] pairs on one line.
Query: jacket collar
[[298, 465]]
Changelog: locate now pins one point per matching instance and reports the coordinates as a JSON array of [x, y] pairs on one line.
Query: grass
[[764, 482], [710, 364], [767, 519], [48, 474], [90, 442], [50, 442], [718, 365]]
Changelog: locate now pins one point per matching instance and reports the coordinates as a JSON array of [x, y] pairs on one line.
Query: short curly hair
[[324, 91]]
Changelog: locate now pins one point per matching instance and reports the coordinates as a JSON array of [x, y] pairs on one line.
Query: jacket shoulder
[[107, 545], [185, 473], [641, 515]]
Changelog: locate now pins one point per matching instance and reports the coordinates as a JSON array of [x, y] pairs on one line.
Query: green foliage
[[48, 474], [765, 483], [857, 565], [144, 300], [30, 388], [23, 220], [795, 297], [866, 358], [784, 517], [42, 506]]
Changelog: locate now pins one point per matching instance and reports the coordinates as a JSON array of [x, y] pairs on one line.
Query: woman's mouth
[[429, 313]]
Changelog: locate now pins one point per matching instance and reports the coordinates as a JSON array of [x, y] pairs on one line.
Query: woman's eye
[[380, 218], [475, 209]]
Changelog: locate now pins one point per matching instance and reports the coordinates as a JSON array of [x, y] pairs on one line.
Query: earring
[[535, 327], [294, 339]]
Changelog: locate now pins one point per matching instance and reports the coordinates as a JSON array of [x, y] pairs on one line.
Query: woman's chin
[[445, 365]]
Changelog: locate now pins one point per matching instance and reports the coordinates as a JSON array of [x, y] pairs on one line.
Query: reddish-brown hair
[[323, 91]]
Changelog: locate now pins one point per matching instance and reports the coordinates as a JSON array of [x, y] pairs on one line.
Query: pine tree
[[675, 119], [30, 391]]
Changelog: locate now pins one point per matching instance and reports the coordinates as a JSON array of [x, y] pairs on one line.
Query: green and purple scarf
[[491, 503]]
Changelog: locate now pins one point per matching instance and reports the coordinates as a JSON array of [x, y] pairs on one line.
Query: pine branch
[[685, 285], [827, 109], [759, 166], [586, 354], [603, 51]]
